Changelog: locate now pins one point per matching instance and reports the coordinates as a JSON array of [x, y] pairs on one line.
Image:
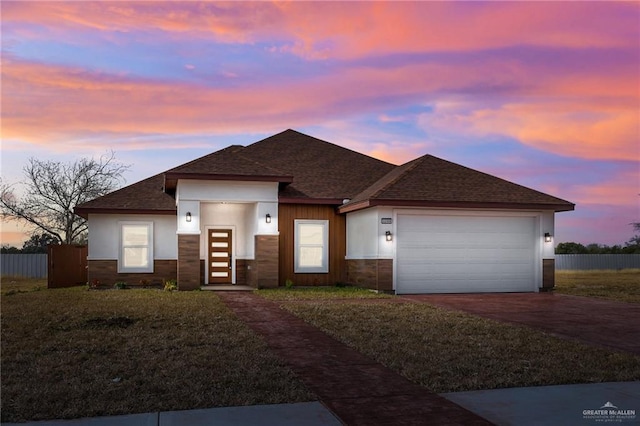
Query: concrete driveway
[[594, 321]]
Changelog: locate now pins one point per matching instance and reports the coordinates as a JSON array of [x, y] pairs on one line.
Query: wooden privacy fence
[[67, 266], [597, 261], [32, 265]]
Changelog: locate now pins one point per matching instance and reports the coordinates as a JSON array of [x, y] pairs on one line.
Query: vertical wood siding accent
[[287, 213]]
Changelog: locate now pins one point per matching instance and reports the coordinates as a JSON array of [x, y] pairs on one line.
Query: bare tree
[[52, 189]]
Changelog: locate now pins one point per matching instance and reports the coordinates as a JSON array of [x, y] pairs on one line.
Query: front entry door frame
[[208, 229]]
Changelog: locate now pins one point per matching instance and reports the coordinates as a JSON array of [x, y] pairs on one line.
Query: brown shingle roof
[[431, 181], [320, 170], [227, 164], [146, 196]]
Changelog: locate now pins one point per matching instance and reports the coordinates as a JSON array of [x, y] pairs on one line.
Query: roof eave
[[560, 207], [171, 179], [84, 212], [353, 206], [304, 200]]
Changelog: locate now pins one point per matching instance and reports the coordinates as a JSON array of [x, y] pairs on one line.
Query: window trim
[[149, 246], [324, 268]]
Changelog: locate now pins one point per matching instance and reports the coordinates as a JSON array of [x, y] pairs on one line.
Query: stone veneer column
[[266, 264], [188, 262], [548, 274]]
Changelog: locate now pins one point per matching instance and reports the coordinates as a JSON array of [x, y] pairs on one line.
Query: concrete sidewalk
[[589, 404], [303, 413], [540, 405]]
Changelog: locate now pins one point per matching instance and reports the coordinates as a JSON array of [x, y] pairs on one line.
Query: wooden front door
[[220, 256]]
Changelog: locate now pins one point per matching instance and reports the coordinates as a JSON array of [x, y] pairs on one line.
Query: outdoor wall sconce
[[388, 236], [268, 218], [547, 237], [188, 216]]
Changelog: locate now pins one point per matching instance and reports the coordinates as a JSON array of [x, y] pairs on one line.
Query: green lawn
[[623, 286], [319, 293], [448, 351], [71, 353]]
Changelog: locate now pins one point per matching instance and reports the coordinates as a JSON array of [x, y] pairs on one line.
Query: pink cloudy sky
[[543, 94]]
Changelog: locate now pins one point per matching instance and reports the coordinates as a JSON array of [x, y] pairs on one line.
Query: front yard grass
[[622, 286], [71, 353], [13, 284], [447, 351], [319, 293]]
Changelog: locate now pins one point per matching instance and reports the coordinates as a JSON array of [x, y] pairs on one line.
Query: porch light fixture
[[268, 218], [388, 236], [188, 216], [547, 237]]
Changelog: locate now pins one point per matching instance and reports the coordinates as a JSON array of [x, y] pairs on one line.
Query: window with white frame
[[136, 247], [311, 246]]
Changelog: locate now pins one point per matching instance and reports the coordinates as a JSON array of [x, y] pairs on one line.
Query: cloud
[[321, 30], [586, 129], [45, 103], [555, 76]]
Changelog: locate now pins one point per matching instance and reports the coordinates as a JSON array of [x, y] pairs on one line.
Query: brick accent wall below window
[[106, 273], [188, 262], [375, 274]]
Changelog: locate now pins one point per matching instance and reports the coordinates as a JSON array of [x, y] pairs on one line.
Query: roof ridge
[[323, 141]]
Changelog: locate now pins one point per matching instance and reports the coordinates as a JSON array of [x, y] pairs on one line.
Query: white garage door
[[464, 254]]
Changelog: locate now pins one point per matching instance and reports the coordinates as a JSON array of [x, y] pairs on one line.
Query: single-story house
[[294, 207]]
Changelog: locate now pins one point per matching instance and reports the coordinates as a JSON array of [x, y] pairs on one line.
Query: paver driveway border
[[359, 390], [593, 321]]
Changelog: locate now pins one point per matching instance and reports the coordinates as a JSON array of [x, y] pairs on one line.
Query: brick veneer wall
[[241, 271], [548, 274], [106, 273], [265, 267], [376, 274], [188, 262]]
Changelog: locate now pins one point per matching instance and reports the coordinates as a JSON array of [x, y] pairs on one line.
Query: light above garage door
[[465, 254]]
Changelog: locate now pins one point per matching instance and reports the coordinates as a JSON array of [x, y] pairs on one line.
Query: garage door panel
[[450, 254]]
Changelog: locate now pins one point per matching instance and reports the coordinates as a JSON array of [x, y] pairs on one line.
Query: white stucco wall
[[261, 225], [366, 232], [547, 224], [366, 237], [228, 191], [239, 206], [239, 217], [362, 238], [104, 235], [185, 227]]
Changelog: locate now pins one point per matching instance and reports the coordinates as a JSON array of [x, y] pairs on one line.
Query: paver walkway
[[357, 389], [594, 321]]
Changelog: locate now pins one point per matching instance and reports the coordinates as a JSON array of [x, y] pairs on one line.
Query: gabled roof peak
[[432, 181]]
